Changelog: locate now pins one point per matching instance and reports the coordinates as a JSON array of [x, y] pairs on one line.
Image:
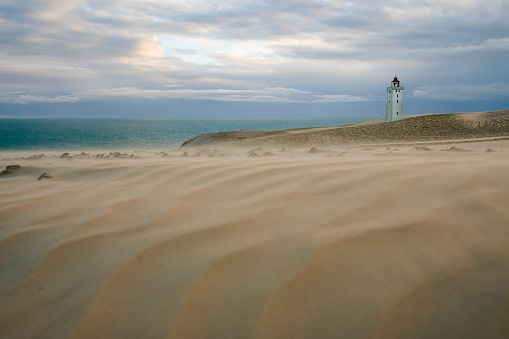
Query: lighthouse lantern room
[[394, 109]]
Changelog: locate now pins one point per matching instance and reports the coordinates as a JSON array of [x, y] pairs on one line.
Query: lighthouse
[[394, 110]]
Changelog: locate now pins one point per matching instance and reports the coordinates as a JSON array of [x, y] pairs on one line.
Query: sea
[[135, 134]]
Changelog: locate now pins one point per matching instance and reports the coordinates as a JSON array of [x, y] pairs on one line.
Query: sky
[[250, 58]]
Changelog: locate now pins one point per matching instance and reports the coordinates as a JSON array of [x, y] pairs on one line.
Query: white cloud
[[276, 94], [340, 98], [25, 99], [270, 94], [463, 92]]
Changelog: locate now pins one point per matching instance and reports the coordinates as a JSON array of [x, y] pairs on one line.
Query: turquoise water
[[135, 134]]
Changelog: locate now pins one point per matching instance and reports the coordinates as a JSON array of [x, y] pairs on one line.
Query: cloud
[[245, 50], [463, 92], [462, 49], [278, 94], [340, 98], [26, 99]]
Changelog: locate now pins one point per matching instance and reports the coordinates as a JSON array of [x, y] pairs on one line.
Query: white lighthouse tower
[[394, 110]]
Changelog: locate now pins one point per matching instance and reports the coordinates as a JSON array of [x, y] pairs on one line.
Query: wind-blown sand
[[407, 241]]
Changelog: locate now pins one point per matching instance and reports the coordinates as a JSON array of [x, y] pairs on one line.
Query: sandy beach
[[387, 238]]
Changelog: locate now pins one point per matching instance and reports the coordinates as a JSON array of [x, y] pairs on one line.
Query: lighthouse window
[[397, 95], [397, 101]]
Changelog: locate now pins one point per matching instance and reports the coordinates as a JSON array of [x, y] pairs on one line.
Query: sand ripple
[[300, 245]]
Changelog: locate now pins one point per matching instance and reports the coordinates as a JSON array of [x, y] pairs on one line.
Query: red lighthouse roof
[[395, 82]]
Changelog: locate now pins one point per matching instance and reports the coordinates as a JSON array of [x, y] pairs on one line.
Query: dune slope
[[430, 127], [343, 242]]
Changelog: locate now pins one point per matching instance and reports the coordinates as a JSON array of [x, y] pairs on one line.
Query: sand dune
[[344, 242], [429, 127]]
